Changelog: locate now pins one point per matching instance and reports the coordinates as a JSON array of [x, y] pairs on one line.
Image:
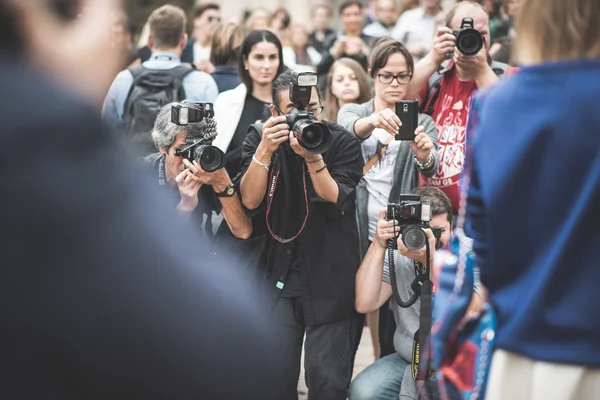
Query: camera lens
[[469, 42], [414, 237], [312, 136], [210, 158]]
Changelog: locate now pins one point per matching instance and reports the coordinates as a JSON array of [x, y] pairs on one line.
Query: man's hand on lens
[[387, 120], [218, 178], [421, 254], [301, 151], [188, 184], [275, 132], [422, 145], [385, 230], [443, 43], [472, 67]]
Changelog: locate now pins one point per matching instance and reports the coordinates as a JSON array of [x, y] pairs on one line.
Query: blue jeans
[[381, 380]]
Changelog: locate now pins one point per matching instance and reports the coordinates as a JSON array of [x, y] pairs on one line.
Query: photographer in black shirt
[[198, 191], [302, 173]]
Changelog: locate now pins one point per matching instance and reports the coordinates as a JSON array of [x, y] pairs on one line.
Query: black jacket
[[327, 249]]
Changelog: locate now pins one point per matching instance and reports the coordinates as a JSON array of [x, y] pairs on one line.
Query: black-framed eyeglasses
[[211, 18], [387, 79]]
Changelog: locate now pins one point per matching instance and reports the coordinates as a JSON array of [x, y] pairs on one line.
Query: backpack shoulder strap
[[433, 87], [180, 71], [137, 71]]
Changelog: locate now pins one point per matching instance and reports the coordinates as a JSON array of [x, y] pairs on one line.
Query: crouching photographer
[[299, 179], [419, 224], [192, 169]]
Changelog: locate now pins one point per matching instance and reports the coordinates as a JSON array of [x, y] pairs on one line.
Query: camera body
[[312, 134], [200, 149], [412, 215], [468, 39]]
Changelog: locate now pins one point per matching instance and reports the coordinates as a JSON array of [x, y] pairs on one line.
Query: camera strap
[[274, 176], [161, 172]]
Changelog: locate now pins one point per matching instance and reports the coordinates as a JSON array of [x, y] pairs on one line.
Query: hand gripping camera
[[313, 135], [413, 215], [468, 39], [210, 157]]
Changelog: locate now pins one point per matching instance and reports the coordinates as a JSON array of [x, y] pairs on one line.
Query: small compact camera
[[413, 215], [210, 157], [313, 135], [189, 113], [468, 39]]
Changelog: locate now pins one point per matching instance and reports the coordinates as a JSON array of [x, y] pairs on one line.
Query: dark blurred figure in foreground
[[105, 293]]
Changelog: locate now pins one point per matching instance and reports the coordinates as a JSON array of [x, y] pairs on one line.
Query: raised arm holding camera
[[445, 81], [299, 179], [183, 133]]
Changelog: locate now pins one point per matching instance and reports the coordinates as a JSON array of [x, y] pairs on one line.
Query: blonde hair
[[554, 30], [226, 43], [365, 90], [259, 14], [167, 26]]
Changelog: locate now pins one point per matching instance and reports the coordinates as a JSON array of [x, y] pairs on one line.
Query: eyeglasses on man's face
[[387, 79], [316, 109]]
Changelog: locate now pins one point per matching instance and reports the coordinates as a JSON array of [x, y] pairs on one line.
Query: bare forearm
[[238, 222], [364, 127], [254, 182], [426, 67], [325, 186], [487, 79], [369, 280]]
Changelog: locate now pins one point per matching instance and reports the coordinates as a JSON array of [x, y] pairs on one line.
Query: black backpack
[[150, 91]]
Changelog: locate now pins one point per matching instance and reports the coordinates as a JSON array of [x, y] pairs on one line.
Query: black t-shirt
[[207, 200], [254, 110]]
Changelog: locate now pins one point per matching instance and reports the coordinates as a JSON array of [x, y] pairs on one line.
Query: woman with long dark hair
[[260, 61]]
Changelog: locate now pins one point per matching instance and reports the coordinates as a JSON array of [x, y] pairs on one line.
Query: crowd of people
[[247, 197]]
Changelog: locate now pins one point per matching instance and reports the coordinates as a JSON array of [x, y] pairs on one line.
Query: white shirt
[[201, 53], [380, 177], [414, 27]]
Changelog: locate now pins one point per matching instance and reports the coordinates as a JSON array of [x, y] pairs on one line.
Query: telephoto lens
[[313, 135], [210, 158], [469, 42]]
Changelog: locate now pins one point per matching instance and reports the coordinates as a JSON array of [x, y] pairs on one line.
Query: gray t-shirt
[[407, 319]]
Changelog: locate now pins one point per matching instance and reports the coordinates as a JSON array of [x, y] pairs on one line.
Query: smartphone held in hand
[[407, 111]]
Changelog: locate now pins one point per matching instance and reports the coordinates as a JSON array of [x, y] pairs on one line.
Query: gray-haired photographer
[[192, 168]]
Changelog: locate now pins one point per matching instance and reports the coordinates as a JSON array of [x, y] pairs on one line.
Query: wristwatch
[[228, 192]]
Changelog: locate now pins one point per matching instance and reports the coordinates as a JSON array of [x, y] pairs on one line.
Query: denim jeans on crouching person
[[381, 380], [328, 352]]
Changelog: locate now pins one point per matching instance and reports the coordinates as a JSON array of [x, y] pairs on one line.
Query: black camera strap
[[273, 178], [422, 287]]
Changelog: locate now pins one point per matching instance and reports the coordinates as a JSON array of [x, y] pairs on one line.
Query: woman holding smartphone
[[392, 167]]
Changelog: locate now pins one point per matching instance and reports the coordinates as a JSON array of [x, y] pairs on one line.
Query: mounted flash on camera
[[413, 215], [189, 113], [301, 88], [312, 134]]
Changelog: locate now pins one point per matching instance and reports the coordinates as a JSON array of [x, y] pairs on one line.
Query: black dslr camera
[[210, 157], [413, 215], [468, 39], [313, 135]]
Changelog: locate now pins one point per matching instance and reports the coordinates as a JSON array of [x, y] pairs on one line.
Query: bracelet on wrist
[[312, 162], [264, 165], [427, 164], [319, 170]]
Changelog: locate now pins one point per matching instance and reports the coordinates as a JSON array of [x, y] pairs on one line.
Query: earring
[[246, 67]]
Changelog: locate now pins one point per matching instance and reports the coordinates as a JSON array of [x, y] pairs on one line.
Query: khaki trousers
[[513, 377]]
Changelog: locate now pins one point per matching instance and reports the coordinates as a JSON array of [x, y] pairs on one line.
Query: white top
[[380, 177], [289, 59], [376, 29], [201, 53], [414, 27]]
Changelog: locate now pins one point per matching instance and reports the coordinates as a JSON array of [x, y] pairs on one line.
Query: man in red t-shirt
[[445, 88]]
